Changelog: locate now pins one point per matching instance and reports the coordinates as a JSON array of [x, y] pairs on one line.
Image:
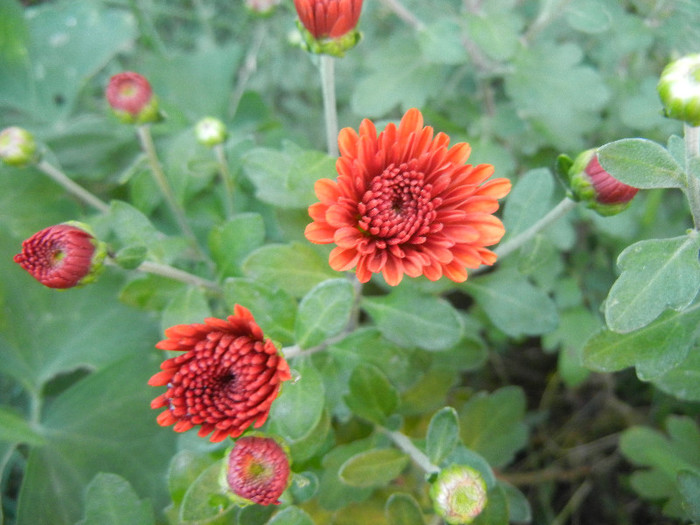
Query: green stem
[[176, 274], [404, 443], [72, 187], [561, 209], [226, 178], [330, 112], [692, 152], [144, 133], [404, 14], [250, 64]]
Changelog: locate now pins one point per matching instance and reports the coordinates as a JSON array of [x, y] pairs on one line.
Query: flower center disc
[[397, 206]]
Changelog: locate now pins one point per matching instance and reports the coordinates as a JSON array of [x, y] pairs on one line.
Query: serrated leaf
[[231, 241], [654, 349], [656, 274], [324, 312], [411, 319], [402, 509], [110, 499], [513, 304], [443, 434], [371, 396], [291, 516], [286, 178], [373, 468], [492, 424], [641, 163], [294, 268]]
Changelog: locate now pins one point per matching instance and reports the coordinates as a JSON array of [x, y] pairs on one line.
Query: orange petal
[[319, 233], [342, 259]]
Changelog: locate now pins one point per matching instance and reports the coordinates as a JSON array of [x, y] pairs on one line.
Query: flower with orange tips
[[405, 202], [225, 381]]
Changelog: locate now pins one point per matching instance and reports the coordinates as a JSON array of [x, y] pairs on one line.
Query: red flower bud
[[131, 98], [329, 25], [258, 470], [62, 256]]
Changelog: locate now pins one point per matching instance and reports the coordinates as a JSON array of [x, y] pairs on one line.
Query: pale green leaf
[[111, 500], [371, 395], [443, 434], [231, 241], [324, 312], [291, 516], [402, 509], [373, 468], [641, 163]]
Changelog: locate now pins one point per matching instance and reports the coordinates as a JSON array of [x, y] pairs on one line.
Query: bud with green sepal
[[328, 26], [210, 131], [588, 182], [679, 89], [17, 146], [131, 98], [458, 494]]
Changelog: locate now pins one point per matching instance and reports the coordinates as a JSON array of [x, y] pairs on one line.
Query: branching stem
[[72, 187]]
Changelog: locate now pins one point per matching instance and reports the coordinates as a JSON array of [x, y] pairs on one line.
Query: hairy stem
[[404, 443], [692, 152], [72, 187], [176, 274], [404, 14], [330, 112]]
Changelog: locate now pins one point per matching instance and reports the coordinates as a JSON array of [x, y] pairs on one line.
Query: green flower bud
[[458, 494], [17, 146], [210, 131], [679, 89]]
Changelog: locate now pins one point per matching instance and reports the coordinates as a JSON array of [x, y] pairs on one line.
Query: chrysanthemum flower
[[62, 256], [330, 24], [225, 381], [405, 202], [258, 470], [131, 98]]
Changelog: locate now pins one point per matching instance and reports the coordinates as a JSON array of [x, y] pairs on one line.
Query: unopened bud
[[679, 89], [458, 494], [131, 98], [210, 131], [17, 146], [328, 26]]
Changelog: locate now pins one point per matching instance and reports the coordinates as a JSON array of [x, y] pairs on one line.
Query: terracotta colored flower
[[62, 256], [405, 202], [225, 381], [131, 98], [601, 192], [330, 24], [258, 470]]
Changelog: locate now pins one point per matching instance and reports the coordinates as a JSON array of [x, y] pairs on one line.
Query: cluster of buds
[[328, 26]]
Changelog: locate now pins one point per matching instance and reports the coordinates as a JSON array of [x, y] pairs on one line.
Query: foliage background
[[522, 81]]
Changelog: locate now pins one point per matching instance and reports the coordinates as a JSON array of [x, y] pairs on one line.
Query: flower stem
[[248, 68], [178, 275], [330, 112], [404, 443], [692, 152], [226, 178], [561, 209], [144, 133], [72, 187], [404, 14]]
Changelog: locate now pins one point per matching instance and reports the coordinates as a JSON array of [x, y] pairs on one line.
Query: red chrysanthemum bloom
[[328, 18], [405, 202], [62, 256], [258, 470], [131, 98], [225, 381]]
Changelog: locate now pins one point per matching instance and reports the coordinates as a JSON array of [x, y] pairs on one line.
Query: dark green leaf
[[689, 486], [371, 396], [641, 163], [16, 429], [443, 434], [683, 381], [110, 499], [402, 509], [519, 509], [656, 274], [231, 241], [205, 499], [324, 312], [373, 468], [333, 493], [411, 319]]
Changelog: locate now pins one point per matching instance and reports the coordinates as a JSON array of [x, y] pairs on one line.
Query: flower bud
[[63, 256], [210, 131], [262, 7], [17, 146], [131, 98], [590, 183], [679, 89], [257, 470], [458, 494], [328, 26]]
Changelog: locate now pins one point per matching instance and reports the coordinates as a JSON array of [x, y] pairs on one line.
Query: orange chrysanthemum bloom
[[225, 381], [405, 202]]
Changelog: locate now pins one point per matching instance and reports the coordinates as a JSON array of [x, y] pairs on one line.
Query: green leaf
[[462, 455], [411, 319], [496, 510], [689, 487], [641, 163], [371, 396], [654, 349], [373, 468], [333, 493], [402, 509], [443, 434], [133, 229], [205, 499], [519, 509], [103, 423], [492, 424], [528, 201], [286, 178], [294, 268], [231, 241], [187, 306], [16, 429], [185, 467], [656, 274], [495, 30], [274, 309], [441, 42], [589, 16], [298, 409], [513, 304], [304, 486], [324, 312], [683, 381], [665, 457], [110, 499], [291, 516]]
